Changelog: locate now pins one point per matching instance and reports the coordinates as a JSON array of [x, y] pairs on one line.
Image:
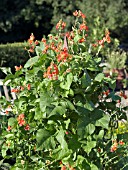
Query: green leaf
[[38, 114], [70, 105], [61, 140], [45, 100], [85, 80], [99, 77], [89, 105], [44, 139], [60, 153], [94, 167], [82, 163], [114, 96], [103, 122], [66, 85], [38, 50], [9, 135], [12, 121], [21, 102], [90, 128], [89, 146], [31, 62], [111, 82], [100, 135], [58, 110], [4, 150], [73, 143]]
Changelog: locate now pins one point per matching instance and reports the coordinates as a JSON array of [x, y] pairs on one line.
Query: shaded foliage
[[39, 16]]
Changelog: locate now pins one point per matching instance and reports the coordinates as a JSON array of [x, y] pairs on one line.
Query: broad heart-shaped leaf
[[45, 140], [86, 118], [66, 85], [100, 135], [103, 122], [38, 114], [85, 80], [61, 140], [31, 61], [73, 143], [60, 153], [90, 128], [45, 100], [99, 77], [12, 121], [88, 147], [58, 110]]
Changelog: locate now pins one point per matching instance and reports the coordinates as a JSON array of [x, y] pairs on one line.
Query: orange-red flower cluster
[[60, 25], [29, 86], [32, 42], [122, 94], [115, 145], [15, 90], [21, 120], [79, 14], [52, 72], [83, 26], [18, 68], [106, 92], [102, 41], [64, 55], [9, 128], [27, 127]]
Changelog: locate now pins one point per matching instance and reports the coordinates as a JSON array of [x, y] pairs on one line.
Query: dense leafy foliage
[[66, 110]]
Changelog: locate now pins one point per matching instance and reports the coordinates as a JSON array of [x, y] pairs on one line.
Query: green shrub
[[12, 54]]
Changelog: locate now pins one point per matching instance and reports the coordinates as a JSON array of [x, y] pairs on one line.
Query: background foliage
[[39, 16]]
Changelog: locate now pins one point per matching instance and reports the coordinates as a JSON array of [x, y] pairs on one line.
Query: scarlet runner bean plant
[[66, 110]]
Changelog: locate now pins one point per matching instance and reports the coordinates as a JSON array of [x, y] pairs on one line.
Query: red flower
[[21, 120], [81, 14], [9, 128], [52, 72], [121, 142], [63, 25], [31, 39], [63, 168], [114, 147], [36, 42], [29, 86], [7, 112], [75, 13], [101, 42], [43, 40], [66, 133], [27, 127], [82, 40], [18, 68], [15, 90], [83, 27]]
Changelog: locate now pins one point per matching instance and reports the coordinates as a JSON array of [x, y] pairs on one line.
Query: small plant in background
[[116, 65], [66, 109]]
